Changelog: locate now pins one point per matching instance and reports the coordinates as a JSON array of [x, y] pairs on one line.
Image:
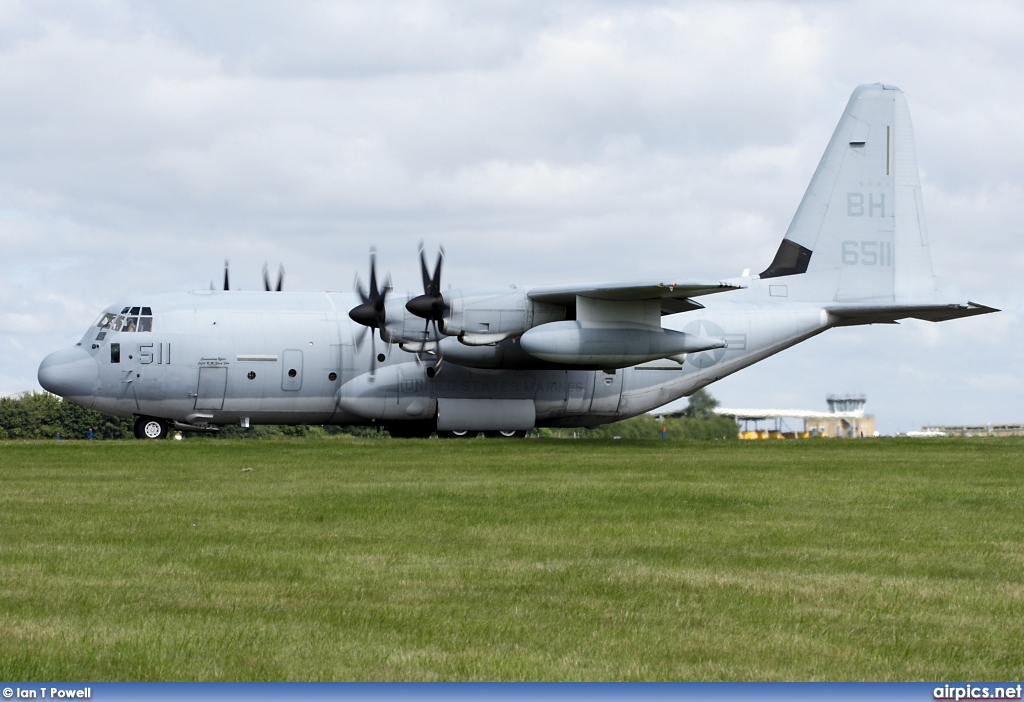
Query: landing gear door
[[291, 370], [577, 390], [213, 382], [607, 391]]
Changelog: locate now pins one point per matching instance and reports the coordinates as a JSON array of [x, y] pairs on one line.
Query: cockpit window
[[128, 321]]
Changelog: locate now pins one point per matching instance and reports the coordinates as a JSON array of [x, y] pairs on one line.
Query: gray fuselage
[[292, 358]]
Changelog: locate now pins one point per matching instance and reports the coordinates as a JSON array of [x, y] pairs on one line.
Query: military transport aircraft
[[503, 360]]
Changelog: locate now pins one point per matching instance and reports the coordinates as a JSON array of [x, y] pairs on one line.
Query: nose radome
[[70, 373]]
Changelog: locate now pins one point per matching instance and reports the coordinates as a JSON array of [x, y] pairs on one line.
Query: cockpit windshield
[[131, 319]]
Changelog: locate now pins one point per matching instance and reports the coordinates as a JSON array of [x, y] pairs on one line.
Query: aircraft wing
[[675, 297], [851, 314]]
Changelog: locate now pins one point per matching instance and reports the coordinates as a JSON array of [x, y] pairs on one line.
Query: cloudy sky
[[141, 144]]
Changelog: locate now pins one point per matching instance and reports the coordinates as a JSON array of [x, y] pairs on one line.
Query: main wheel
[[150, 428], [463, 434], [505, 434]]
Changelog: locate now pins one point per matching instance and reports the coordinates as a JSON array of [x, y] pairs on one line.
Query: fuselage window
[[115, 353], [105, 320], [130, 324], [145, 323]]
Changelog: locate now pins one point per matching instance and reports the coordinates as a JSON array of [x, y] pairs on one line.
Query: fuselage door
[[213, 381], [291, 370]]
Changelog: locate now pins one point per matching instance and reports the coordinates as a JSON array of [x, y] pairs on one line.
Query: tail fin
[[859, 234]]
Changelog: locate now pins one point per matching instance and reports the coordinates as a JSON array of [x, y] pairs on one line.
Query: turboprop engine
[[611, 344], [588, 326]]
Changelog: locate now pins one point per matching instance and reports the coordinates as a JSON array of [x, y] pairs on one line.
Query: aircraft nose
[[70, 373]]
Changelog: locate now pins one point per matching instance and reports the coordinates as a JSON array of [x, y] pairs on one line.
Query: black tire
[[462, 434], [505, 434], [150, 428], [410, 430]]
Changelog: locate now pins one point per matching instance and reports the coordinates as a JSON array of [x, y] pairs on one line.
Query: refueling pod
[[610, 345]]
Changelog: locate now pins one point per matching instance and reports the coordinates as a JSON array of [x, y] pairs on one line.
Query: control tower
[[846, 403]]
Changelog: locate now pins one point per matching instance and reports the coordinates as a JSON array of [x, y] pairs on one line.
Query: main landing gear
[[151, 428], [489, 434]]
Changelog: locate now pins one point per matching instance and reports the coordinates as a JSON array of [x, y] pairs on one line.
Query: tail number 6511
[[867, 253]]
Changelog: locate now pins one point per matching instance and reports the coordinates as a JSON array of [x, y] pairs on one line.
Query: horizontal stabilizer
[[887, 314]]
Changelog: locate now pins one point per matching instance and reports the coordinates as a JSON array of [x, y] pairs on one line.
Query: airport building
[[971, 430], [844, 419]]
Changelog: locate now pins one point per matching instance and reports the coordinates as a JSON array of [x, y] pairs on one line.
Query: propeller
[[266, 279], [430, 305], [225, 274], [371, 313]]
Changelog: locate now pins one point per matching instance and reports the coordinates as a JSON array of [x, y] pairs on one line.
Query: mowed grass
[[512, 560]]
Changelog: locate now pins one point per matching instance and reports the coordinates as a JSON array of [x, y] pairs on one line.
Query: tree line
[[45, 416]]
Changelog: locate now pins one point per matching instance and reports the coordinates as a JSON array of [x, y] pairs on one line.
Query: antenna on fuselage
[[266, 278]]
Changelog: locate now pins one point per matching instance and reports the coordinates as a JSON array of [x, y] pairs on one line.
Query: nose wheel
[[150, 428]]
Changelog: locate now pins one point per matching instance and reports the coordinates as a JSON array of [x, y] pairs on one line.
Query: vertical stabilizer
[[859, 233]]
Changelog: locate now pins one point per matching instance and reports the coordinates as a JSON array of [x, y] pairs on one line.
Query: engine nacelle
[[404, 326], [610, 345], [477, 315]]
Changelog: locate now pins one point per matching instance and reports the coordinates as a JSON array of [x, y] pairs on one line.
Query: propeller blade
[[266, 278], [437, 347], [226, 274], [430, 305], [373, 273], [435, 282], [280, 278], [424, 273], [373, 354]]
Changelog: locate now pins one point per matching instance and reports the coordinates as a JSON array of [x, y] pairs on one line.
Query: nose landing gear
[[150, 428]]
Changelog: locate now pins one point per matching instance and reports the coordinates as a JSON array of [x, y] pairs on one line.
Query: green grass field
[[512, 560]]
